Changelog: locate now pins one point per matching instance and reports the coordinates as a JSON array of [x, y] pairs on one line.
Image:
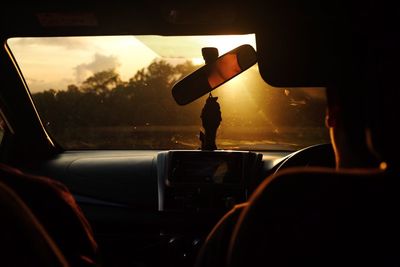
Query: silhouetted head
[[347, 120]]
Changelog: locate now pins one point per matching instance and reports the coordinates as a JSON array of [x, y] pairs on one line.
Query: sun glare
[[225, 43], [197, 61]]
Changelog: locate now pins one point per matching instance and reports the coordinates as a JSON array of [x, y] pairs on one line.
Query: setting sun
[[197, 61], [225, 43]]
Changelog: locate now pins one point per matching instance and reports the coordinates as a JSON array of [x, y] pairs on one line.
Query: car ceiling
[[40, 18]]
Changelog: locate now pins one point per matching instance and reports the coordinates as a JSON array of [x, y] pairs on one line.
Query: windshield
[[114, 92]]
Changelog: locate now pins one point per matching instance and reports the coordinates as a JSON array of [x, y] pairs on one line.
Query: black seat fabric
[[24, 242], [320, 217], [55, 208]]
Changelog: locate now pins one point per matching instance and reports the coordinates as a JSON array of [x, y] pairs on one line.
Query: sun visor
[[300, 52]]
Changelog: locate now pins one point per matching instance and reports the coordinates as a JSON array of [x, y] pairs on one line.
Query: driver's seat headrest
[[320, 217]]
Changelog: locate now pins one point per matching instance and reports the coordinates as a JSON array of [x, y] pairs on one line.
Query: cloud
[[70, 43], [100, 63], [36, 85]]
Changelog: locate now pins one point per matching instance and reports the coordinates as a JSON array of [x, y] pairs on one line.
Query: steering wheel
[[321, 155]]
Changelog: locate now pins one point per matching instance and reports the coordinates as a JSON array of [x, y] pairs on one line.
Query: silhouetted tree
[[101, 82]]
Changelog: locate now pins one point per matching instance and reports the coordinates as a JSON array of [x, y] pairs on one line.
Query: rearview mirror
[[210, 76]]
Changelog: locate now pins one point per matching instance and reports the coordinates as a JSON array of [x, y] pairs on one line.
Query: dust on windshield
[[115, 93]]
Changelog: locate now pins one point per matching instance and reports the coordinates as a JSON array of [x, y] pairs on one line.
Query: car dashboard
[[137, 201]]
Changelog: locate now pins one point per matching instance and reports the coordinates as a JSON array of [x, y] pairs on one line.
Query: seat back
[[319, 217], [23, 240]]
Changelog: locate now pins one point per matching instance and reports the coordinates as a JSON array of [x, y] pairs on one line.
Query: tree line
[[104, 100]]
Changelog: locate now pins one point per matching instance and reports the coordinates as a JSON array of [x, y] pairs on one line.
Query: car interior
[[160, 116]]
